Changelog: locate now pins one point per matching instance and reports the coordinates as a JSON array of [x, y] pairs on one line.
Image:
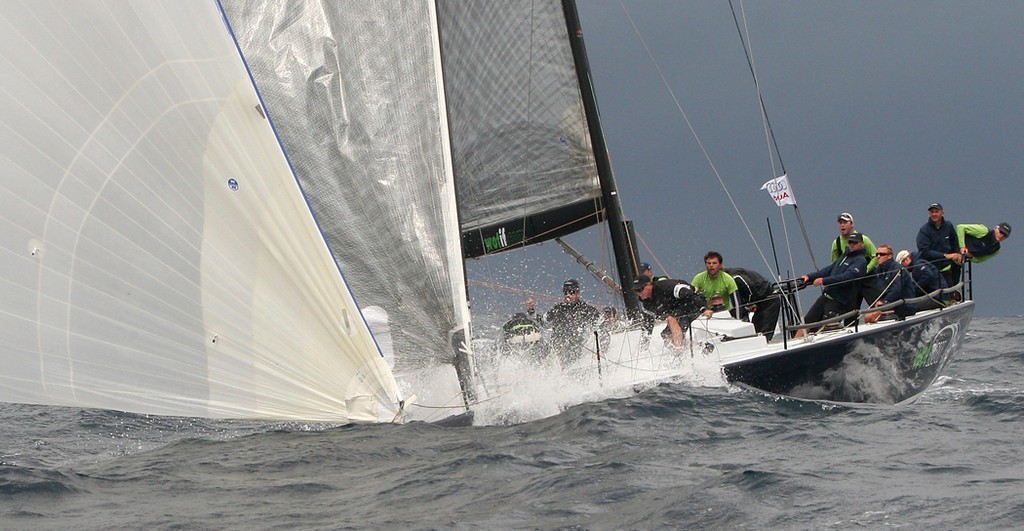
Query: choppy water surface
[[673, 456]]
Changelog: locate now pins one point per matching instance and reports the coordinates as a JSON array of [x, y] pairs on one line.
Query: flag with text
[[780, 190]]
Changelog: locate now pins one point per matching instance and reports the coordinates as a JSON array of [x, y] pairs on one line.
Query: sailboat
[[262, 209], [505, 151], [886, 362]]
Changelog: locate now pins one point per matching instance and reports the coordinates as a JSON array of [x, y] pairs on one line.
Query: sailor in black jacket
[[673, 300], [937, 243], [759, 296], [894, 283], [839, 280], [925, 278], [571, 322]]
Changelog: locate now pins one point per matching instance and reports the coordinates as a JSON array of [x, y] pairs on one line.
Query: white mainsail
[[158, 254]]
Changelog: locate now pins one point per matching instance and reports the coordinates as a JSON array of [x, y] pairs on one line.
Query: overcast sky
[[879, 109]]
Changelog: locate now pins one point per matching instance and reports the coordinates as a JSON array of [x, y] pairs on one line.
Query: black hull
[[886, 365], [456, 421]]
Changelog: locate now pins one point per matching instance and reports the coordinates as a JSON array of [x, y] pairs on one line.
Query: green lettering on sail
[[503, 238]]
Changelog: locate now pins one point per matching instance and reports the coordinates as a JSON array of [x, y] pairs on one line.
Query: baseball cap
[[571, 286], [644, 266], [902, 255], [855, 237], [1004, 228], [935, 206], [640, 281], [845, 216]]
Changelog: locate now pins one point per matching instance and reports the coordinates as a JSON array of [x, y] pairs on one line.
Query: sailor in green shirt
[[867, 288], [842, 243], [716, 285], [979, 243]]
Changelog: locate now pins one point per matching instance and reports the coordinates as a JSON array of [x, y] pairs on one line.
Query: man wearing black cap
[[675, 301], [646, 317], [979, 243], [841, 282], [937, 243], [571, 321]]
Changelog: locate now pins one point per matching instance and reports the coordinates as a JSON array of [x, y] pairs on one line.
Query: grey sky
[[879, 108]]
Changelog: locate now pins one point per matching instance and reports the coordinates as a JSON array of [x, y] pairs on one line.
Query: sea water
[[673, 455]]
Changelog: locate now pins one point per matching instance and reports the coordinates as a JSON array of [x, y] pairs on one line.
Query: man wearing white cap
[[866, 289], [925, 277], [842, 244]]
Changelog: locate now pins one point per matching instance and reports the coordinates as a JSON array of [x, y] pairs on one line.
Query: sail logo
[[503, 238], [780, 190]]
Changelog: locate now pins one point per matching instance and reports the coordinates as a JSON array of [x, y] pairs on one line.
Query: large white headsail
[[158, 255]]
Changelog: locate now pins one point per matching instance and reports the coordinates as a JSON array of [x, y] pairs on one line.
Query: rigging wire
[[748, 51], [651, 252], [518, 291], [770, 140], [693, 133]]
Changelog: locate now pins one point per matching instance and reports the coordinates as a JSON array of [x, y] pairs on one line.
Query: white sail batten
[[159, 255]]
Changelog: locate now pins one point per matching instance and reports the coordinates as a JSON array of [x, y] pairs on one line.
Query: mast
[[624, 254], [458, 340]]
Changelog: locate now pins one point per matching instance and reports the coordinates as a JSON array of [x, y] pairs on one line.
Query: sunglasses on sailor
[[883, 254]]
